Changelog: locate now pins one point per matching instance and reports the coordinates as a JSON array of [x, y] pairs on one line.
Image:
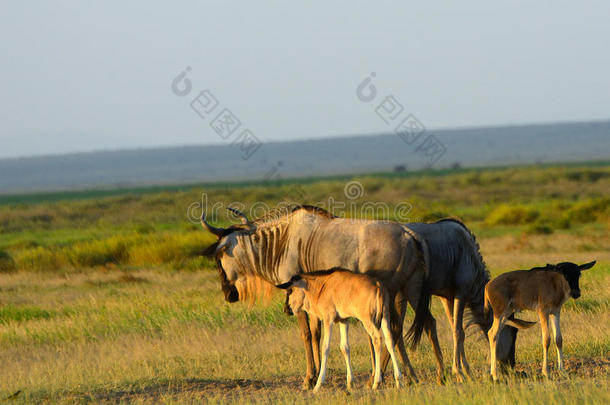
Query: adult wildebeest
[[336, 295], [543, 289], [259, 254], [457, 275]]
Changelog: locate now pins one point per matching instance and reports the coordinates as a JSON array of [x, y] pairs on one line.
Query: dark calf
[[543, 289]]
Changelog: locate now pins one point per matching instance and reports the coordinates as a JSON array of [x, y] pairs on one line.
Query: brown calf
[[543, 289], [336, 295]]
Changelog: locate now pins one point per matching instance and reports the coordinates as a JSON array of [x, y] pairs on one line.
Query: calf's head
[[571, 272], [295, 295]]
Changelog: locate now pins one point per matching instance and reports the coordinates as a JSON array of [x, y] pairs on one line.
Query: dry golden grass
[[146, 323], [153, 336]]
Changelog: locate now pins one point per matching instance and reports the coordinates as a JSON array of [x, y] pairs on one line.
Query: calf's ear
[[300, 283], [284, 286], [587, 265]]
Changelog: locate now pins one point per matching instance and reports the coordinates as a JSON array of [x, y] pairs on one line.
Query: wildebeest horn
[[244, 218], [216, 231]]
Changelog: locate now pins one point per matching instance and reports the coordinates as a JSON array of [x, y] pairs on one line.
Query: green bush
[[100, 252], [169, 248], [538, 228], [144, 229], [511, 215], [589, 210], [38, 259], [589, 175], [7, 264]]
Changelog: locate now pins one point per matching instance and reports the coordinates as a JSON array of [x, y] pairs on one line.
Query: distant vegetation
[[150, 227]]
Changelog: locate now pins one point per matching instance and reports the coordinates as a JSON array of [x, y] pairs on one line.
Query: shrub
[[145, 228], [169, 248], [589, 175], [511, 215], [98, 253], [539, 228], [38, 259], [7, 264], [589, 210]]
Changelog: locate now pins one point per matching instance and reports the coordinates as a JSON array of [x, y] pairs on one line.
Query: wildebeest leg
[[448, 306], [324, 353], [458, 338], [311, 374], [433, 337], [315, 326], [558, 339], [546, 341], [512, 358], [397, 317], [397, 320], [430, 329]]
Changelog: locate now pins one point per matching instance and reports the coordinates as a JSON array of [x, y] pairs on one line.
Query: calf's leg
[[344, 329], [324, 354], [558, 339], [387, 334], [494, 331], [546, 341], [376, 339], [397, 317]]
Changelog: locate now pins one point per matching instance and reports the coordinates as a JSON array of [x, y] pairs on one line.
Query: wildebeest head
[[224, 250], [571, 272]]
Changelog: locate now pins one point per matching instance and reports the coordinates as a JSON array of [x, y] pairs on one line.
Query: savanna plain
[[105, 298]]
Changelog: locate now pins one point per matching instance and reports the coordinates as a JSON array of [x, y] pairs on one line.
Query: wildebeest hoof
[[371, 379], [308, 383]]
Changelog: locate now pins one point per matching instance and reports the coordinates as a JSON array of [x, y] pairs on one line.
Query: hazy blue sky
[[79, 76]]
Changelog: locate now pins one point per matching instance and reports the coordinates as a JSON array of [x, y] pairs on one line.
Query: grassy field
[[103, 297]]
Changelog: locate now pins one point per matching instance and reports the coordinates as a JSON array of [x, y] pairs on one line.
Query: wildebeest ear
[[587, 265]]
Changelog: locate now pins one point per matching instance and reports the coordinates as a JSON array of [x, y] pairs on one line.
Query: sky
[[83, 76]]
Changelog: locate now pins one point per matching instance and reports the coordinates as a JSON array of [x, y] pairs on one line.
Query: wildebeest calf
[[543, 289], [336, 295]]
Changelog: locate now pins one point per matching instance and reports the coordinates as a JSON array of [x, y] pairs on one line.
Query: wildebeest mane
[[280, 213]]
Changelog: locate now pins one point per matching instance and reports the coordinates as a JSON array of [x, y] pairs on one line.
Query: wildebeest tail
[[379, 305], [423, 317], [487, 306]]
